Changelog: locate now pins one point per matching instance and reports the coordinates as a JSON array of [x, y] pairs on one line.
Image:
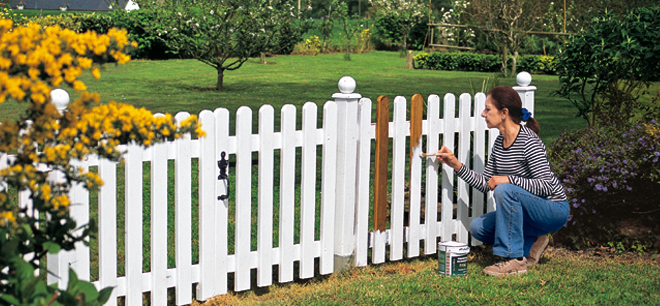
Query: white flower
[[211, 12]]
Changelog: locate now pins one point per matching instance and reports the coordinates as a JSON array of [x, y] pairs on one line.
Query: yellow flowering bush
[[33, 61], [363, 41], [313, 45]]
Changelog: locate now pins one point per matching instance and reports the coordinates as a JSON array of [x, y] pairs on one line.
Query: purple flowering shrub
[[611, 175]]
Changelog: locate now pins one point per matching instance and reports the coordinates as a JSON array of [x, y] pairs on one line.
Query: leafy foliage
[[611, 174], [604, 70], [397, 18]]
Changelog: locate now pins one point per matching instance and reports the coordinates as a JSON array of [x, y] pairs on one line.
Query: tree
[[33, 60], [225, 33], [399, 17], [349, 26], [506, 22], [607, 68]]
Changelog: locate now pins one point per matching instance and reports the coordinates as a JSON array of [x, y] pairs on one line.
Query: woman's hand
[[447, 157], [496, 180]]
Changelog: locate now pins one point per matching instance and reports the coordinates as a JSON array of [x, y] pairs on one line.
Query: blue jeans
[[520, 217]]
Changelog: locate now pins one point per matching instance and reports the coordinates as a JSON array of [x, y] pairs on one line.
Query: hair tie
[[525, 114]]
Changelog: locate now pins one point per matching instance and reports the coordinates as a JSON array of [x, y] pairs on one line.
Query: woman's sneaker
[[539, 246], [507, 267]]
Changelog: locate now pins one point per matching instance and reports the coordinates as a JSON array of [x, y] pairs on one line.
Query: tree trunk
[[515, 63], [221, 76], [348, 52], [410, 61], [504, 58]]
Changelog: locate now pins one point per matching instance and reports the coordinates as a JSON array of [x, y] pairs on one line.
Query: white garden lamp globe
[[60, 98], [524, 79], [346, 85]]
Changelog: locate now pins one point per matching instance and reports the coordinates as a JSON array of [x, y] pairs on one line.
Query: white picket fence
[[339, 151]]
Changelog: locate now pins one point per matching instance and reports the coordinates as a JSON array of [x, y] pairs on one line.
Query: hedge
[[483, 62]]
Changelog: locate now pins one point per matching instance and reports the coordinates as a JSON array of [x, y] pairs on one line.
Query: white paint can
[[452, 258]]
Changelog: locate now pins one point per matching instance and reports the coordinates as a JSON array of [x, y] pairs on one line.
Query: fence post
[[525, 91], [347, 137]]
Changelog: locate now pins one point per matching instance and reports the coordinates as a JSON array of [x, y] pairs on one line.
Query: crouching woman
[[530, 201]]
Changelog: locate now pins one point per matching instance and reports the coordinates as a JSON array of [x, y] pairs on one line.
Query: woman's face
[[494, 117]]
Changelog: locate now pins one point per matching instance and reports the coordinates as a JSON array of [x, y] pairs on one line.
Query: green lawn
[[188, 85], [561, 278]]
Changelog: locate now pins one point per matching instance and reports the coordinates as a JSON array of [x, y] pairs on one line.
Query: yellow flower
[[96, 72]]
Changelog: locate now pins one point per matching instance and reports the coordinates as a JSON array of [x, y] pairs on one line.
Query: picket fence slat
[[207, 204], [339, 176], [399, 161], [107, 209], [133, 223], [463, 201], [432, 168], [265, 193], [159, 200], [222, 209], [415, 185], [243, 197], [328, 187], [478, 155], [287, 192], [308, 190], [447, 211], [363, 182]]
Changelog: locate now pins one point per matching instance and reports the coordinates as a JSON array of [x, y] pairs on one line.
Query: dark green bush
[[612, 180], [482, 62], [142, 28]]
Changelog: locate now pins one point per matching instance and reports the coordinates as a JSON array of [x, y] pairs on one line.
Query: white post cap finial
[[347, 85], [60, 98], [524, 79]]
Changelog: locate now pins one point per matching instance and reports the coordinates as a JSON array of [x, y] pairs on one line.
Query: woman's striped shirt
[[525, 163]]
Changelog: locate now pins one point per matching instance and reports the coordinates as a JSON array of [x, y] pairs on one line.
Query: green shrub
[[142, 27], [482, 62], [80, 23], [612, 179], [606, 69]]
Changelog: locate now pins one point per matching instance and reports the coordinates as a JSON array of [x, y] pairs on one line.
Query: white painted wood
[[159, 224], [266, 177], [308, 190], [183, 217], [243, 197], [479, 155], [432, 171], [328, 191], [79, 197], [347, 111], [108, 228], [448, 172], [222, 208], [133, 223], [379, 246], [287, 192], [492, 135], [208, 200], [399, 160], [415, 192], [463, 201], [363, 183]]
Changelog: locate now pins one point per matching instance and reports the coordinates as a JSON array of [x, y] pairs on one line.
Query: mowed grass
[[561, 278], [189, 85]]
